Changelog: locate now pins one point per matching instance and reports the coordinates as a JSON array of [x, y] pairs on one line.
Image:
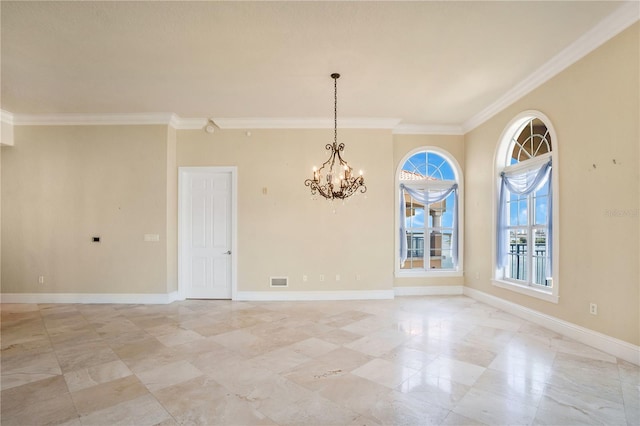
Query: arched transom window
[[533, 140]]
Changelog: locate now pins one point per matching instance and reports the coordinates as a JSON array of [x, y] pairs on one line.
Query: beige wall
[[64, 184], [286, 233], [594, 107], [454, 145]]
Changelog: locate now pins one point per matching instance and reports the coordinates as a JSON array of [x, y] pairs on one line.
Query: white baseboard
[[313, 295], [117, 298], [440, 290], [608, 344]]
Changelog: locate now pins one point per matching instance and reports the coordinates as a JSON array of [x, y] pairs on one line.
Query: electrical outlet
[[41, 279], [337, 277], [304, 278], [593, 309], [321, 277], [358, 277]]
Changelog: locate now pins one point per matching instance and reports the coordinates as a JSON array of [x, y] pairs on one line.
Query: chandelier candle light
[[335, 178]]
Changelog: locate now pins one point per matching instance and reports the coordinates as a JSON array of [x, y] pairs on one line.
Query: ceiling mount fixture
[[211, 125], [334, 179]]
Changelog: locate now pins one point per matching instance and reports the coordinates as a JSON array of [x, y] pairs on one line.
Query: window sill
[[526, 290], [423, 273]]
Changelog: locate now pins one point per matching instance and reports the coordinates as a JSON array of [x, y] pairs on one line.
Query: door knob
[[228, 252]]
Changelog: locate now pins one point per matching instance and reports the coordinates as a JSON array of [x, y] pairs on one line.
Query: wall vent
[[279, 281]]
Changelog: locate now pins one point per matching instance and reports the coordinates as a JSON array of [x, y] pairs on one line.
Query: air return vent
[[279, 281]]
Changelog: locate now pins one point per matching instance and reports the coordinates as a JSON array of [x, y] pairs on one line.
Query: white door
[[206, 255]]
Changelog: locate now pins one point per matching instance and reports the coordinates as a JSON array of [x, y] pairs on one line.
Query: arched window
[[428, 213], [526, 202]]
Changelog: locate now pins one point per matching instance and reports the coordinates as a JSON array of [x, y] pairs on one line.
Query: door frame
[[182, 199]]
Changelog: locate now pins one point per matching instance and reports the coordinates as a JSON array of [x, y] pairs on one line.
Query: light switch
[[152, 237]]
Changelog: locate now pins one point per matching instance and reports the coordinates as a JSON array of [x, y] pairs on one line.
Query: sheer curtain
[[426, 197], [522, 182]]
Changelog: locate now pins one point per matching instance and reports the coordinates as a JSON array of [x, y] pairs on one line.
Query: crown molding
[[618, 21], [188, 123], [306, 123], [91, 119], [6, 128], [195, 123], [6, 117], [428, 129]]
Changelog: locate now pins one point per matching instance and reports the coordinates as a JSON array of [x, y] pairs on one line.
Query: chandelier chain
[[335, 108]]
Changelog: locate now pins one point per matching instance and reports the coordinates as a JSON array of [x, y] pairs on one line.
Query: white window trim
[[499, 166], [457, 170]]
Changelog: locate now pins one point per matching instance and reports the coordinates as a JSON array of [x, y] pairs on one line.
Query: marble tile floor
[[409, 361]]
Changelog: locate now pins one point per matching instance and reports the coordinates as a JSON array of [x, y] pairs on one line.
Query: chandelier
[[335, 178]]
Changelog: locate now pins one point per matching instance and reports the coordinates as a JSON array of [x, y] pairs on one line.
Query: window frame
[[457, 171], [515, 126]]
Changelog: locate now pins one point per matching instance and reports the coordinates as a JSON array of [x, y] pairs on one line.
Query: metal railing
[[518, 264], [415, 244]]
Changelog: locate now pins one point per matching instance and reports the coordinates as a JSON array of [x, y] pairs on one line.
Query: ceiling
[[421, 63]]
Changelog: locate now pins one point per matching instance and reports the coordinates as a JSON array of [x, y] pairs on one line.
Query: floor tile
[[168, 375], [313, 347], [314, 375], [374, 346], [141, 411], [440, 391], [91, 376], [173, 336], [281, 359], [189, 394], [578, 375], [339, 337], [629, 373], [58, 409], [229, 410], [493, 409], [458, 371], [344, 359], [20, 399], [631, 400], [561, 407], [108, 394], [447, 360], [517, 387], [239, 375], [313, 410], [407, 409], [455, 419], [31, 367], [385, 372], [84, 356], [409, 357]]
